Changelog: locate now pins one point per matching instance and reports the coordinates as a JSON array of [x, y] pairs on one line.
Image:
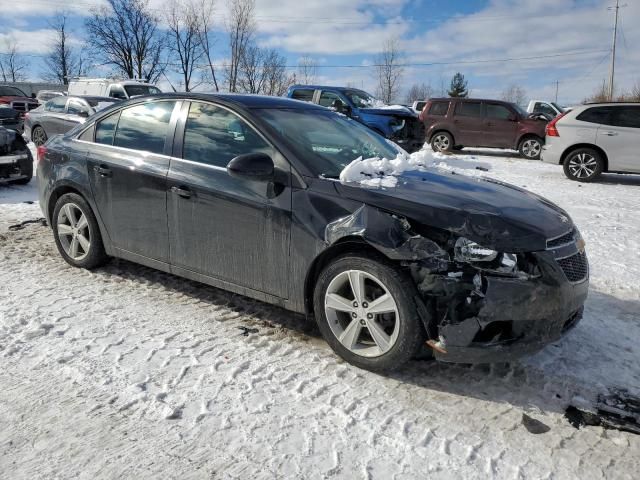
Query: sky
[[494, 43]]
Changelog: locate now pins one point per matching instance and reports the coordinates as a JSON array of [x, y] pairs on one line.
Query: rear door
[[468, 123], [128, 168], [229, 228], [620, 138], [500, 126]]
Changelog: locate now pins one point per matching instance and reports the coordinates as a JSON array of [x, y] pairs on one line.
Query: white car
[[104, 87], [595, 138]]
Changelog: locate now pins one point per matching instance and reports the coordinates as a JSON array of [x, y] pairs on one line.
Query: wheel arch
[[592, 146]]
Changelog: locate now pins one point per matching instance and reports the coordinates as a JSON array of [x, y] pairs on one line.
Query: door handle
[[103, 171], [610, 134], [183, 192]]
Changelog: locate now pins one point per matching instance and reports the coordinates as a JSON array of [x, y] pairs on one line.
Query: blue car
[[397, 123]]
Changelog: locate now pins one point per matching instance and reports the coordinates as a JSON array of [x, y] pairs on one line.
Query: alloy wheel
[[531, 148], [362, 313], [73, 231], [441, 142], [39, 136], [582, 165]]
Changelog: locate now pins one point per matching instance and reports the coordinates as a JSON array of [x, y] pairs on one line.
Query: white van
[[104, 87]]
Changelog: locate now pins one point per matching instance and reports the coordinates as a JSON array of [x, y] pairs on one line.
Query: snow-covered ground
[[127, 372]]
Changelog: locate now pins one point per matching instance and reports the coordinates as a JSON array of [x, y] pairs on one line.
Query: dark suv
[[453, 123]]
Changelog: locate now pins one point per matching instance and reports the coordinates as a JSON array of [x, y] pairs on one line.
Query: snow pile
[[382, 172]]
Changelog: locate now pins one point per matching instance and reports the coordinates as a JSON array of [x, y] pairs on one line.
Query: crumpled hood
[[400, 111], [495, 214]]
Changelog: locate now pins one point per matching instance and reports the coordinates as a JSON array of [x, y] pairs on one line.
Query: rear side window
[[303, 94], [105, 129], [214, 136], [144, 127], [439, 108], [469, 109], [626, 116], [595, 115], [498, 112]]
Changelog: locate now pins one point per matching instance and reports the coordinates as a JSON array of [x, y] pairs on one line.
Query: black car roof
[[243, 100]]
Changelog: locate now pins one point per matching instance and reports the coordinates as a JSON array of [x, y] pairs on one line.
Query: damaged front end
[[479, 305], [16, 164]]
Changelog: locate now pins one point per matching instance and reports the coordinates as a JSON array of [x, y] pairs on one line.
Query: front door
[[500, 126], [621, 138], [229, 228], [128, 173], [467, 123]]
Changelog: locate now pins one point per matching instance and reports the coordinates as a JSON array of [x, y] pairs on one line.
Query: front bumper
[[514, 317]]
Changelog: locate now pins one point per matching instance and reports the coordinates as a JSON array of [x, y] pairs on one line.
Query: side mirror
[[513, 117], [33, 95], [252, 166]]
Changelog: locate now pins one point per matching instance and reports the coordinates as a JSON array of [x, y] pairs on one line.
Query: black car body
[[11, 118], [272, 237], [60, 114], [16, 162]]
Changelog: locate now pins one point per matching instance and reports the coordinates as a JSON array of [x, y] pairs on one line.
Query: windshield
[[8, 91], [361, 99], [136, 90], [327, 142]]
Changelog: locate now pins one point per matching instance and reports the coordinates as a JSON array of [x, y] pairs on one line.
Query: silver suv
[[595, 138]]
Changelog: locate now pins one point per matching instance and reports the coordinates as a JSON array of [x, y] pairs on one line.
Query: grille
[[23, 106], [575, 267], [563, 240]]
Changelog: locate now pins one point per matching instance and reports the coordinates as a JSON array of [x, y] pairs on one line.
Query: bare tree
[[206, 10], [277, 81], [241, 28], [13, 67], [389, 70], [635, 93], [125, 35], [419, 91], [307, 70], [184, 39], [62, 62], [515, 94], [263, 71], [601, 94]]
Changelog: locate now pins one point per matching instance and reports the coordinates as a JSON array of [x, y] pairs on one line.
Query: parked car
[[395, 122], [15, 98], [241, 192], [552, 109], [418, 106], [16, 162], [595, 138], [11, 118], [454, 123], [45, 95], [61, 114], [105, 87]]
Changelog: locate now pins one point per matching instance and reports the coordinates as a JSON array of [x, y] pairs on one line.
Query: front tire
[[442, 142], [366, 312], [76, 232], [583, 165], [530, 148], [38, 136]]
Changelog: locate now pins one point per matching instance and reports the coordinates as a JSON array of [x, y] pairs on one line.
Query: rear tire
[[38, 136], [530, 148], [583, 165], [379, 330], [442, 142], [76, 232]]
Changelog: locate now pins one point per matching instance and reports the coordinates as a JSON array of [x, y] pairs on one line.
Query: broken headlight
[[466, 250]]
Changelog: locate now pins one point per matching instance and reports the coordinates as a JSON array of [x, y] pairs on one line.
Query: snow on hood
[[382, 172]]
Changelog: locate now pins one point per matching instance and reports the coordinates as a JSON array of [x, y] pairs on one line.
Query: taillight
[[41, 152], [552, 130]]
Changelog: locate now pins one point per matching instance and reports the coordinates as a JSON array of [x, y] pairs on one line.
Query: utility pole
[[557, 84], [612, 70]]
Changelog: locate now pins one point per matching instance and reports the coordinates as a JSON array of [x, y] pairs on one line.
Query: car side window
[[304, 94], [626, 116], [439, 108], [469, 109], [56, 105], [497, 112], [144, 126], [75, 107], [105, 129], [596, 115], [214, 136], [327, 98]]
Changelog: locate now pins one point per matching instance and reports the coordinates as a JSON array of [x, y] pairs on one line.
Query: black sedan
[[61, 114], [243, 193]]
